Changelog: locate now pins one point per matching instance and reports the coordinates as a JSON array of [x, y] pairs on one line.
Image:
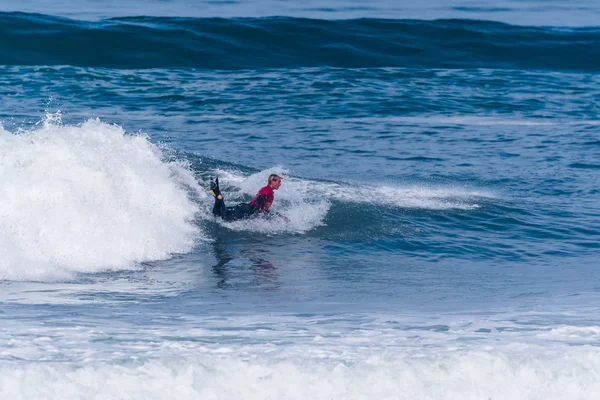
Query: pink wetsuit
[[269, 197]]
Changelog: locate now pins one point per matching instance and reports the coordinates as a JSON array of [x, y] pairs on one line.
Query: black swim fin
[[214, 187]]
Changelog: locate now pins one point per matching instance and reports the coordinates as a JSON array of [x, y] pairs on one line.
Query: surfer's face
[[275, 183]]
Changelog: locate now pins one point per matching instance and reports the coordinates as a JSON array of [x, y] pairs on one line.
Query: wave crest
[[89, 198]]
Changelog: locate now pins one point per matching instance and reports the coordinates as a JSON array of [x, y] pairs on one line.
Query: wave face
[[284, 42], [89, 198]]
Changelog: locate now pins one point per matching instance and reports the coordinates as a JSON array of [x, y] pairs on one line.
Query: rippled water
[[441, 237]]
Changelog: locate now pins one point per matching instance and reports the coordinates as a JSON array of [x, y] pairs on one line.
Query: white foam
[[571, 374], [418, 197], [573, 333], [287, 357], [89, 198]]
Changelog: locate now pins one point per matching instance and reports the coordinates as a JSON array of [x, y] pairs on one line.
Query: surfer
[[260, 204]]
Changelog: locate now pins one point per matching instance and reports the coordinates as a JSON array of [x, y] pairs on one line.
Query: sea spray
[[89, 198]]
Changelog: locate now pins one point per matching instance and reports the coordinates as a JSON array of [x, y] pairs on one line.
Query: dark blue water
[[440, 182], [285, 42]]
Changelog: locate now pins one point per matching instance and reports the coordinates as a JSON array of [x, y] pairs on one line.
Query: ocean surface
[[441, 187]]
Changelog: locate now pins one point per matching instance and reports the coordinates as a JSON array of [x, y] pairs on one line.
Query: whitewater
[[87, 199]]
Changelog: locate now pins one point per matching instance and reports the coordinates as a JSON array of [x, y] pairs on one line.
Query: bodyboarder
[[259, 205]]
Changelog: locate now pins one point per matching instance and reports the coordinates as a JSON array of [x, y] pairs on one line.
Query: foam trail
[[89, 198], [419, 197], [414, 196]]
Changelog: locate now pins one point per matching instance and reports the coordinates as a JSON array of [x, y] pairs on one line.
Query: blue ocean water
[[441, 182]]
